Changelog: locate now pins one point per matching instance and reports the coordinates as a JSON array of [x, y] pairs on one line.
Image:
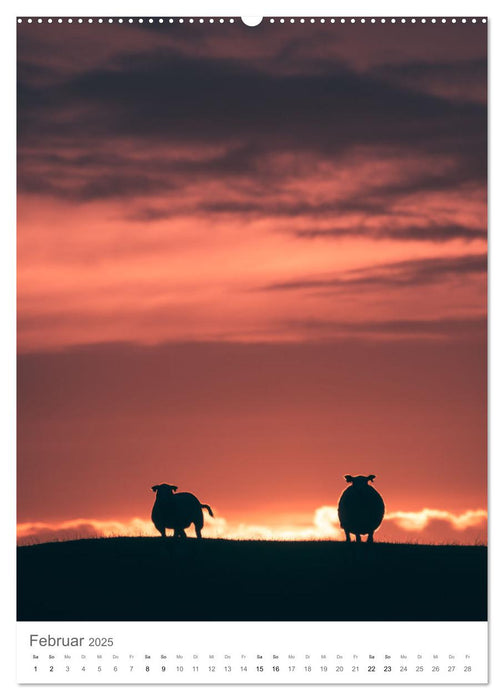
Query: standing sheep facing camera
[[360, 508], [177, 511]]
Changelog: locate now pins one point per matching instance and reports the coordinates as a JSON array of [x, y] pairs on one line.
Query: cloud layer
[[173, 179], [420, 526]]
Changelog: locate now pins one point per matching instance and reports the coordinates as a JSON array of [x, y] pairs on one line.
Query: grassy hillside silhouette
[[143, 578]]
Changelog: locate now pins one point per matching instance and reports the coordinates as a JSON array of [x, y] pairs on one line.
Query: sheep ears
[[371, 477], [348, 478], [155, 488], [173, 488]]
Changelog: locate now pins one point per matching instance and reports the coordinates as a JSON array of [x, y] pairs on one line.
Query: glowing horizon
[[325, 527]]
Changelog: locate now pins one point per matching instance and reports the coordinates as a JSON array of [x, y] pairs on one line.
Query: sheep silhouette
[[360, 508], [177, 511]]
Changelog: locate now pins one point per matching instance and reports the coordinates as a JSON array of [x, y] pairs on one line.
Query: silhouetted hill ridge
[[147, 578]]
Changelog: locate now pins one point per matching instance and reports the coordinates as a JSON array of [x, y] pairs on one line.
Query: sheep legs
[[358, 537]]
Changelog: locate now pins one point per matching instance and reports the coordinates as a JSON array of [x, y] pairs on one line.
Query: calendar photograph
[[251, 320]]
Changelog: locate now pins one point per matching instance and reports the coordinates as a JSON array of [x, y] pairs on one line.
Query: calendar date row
[[293, 668]]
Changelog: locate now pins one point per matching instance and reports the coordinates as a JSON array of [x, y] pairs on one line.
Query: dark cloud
[[398, 274], [464, 80], [88, 132], [428, 232], [101, 186], [250, 185], [259, 192], [165, 95], [250, 210], [393, 329], [94, 175]]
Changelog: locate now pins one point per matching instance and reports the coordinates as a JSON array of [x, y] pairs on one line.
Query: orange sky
[[248, 264]]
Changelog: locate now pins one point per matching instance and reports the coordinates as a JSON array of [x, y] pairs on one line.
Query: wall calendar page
[[252, 349]]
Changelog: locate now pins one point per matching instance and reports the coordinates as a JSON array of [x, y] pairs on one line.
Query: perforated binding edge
[[268, 20]]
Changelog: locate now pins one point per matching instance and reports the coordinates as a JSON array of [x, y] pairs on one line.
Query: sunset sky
[[251, 261]]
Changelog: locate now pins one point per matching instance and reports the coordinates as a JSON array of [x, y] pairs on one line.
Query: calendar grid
[[253, 652]]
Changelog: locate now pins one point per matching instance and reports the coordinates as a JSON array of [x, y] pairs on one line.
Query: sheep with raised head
[[177, 511], [360, 508]]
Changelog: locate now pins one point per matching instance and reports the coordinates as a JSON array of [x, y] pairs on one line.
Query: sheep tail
[[204, 505]]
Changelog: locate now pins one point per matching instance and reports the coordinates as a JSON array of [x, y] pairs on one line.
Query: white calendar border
[[7, 300]]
